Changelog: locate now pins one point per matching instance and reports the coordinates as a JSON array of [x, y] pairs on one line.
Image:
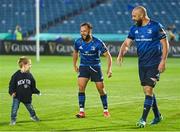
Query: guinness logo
[[7, 46], [52, 47]]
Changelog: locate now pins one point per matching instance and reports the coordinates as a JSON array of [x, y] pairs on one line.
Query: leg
[[30, 108], [148, 90], [83, 79], [153, 76], [97, 77], [82, 82], [15, 107], [32, 112], [103, 96], [145, 75], [157, 116], [155, 107]]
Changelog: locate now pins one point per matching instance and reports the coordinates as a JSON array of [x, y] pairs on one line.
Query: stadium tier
[[64, 16]]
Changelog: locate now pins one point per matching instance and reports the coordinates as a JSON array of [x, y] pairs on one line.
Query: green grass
[[58, 104]]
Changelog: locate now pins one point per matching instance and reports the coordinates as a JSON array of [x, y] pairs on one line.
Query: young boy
[[21, 87]]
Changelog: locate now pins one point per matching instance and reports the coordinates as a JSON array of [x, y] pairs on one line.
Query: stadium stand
[[64, 16]]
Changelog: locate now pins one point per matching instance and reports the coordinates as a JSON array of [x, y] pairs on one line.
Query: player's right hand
[[76, 69]]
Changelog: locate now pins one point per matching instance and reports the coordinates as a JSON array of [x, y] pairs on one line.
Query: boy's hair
[[23, 61]]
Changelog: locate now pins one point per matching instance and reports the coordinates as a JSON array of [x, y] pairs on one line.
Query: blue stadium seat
[[113, 16]]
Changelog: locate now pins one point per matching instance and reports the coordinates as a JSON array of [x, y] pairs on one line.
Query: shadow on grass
[[105, 128], [4, 123]]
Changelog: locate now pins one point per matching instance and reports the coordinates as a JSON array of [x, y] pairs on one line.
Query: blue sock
[[81, 97], [104, 101], [147, 106], [155, 107]]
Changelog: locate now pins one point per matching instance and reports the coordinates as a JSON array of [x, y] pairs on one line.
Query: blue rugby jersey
[[90, 52], [147, 39]]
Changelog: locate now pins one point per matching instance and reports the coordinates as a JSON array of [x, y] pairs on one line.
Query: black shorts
[[149, 75], [92, 72]]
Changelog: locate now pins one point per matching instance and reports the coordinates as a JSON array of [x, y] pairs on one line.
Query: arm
[[123, 49], [165, 45], [109, 61], [33, 86], [12, 86], [75, 58]]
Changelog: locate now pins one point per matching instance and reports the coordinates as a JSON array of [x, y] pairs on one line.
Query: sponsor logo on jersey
[[93, 48], [136, 32], [80, 47]]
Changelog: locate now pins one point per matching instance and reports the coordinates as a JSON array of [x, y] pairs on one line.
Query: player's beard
[[138, 22], [87, 38]]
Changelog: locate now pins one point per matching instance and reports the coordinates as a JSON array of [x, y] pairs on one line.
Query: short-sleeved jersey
[[90, 52], [147, 39]]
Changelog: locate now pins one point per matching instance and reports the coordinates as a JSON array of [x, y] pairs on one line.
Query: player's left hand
[[119, 60], [76, 69], [109, 74], [162, 66]]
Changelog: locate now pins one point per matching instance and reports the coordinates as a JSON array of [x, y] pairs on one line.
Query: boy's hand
[[39, 94], [13, 94]]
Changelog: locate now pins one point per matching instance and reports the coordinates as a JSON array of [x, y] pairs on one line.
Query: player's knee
[[102, 91], [81, 89], [100, 85], [148, 90]]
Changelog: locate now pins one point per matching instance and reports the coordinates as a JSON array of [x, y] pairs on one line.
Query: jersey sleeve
[[12, 85], [102, 47], [131, 34], [161, 32], [76, 46]]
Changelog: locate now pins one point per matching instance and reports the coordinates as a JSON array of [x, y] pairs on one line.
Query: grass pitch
[[58, 104]]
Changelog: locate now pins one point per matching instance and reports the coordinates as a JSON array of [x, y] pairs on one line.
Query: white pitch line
[[98, 105], [135, 97]]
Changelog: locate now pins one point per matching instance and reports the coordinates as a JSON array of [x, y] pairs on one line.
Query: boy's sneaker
[[106, 114], [35, 118], [13, 122], [81, 114], [141, 123], [156, 120]]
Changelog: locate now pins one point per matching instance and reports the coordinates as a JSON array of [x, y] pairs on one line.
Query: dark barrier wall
[[65, 48]]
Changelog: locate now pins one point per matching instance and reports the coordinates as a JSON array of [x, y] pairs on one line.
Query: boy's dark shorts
[[92, 72]]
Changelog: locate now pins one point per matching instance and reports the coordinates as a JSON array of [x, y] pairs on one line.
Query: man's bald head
[[141, 10], [139, 13]]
